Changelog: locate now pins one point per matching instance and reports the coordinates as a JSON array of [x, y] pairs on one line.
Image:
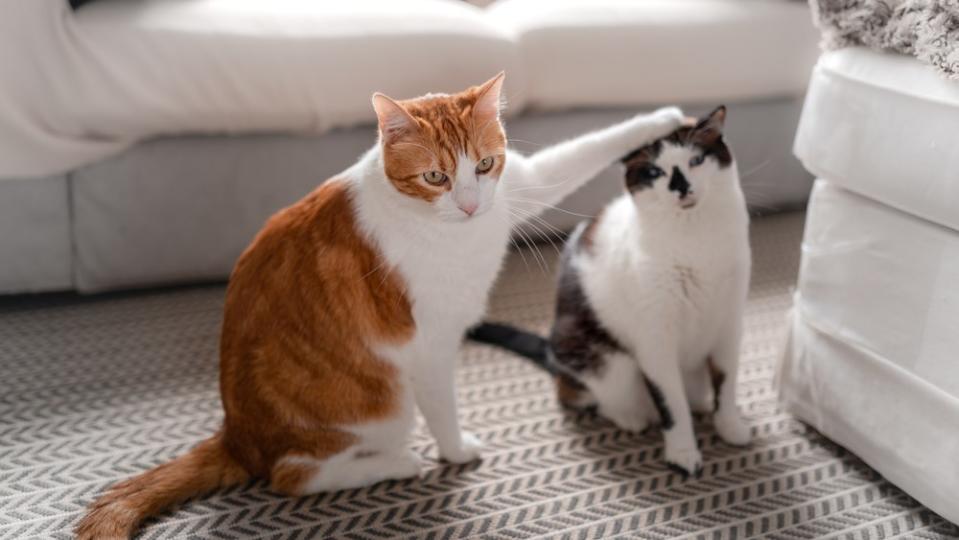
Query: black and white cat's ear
[[489, 99], [714, 120], [709, 129], [393, 119]]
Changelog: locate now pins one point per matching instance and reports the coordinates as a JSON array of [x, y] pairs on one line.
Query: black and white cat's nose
[[679, 184]]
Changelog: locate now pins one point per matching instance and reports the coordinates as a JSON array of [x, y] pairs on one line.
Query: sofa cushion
[[885, 126], [118, 71], [629, 52]]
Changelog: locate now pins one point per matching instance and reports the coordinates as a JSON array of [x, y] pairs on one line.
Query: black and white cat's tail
[[571, 393], [521, 342]]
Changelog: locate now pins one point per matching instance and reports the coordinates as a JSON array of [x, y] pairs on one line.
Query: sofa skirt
[[872, 359]]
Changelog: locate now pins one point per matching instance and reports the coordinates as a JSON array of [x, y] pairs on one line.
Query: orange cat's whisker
[[550, 206]]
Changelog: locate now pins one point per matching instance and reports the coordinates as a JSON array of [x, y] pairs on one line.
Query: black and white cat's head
[[679, 170]]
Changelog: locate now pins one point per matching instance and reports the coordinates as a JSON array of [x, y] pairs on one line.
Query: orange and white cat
[[346, 312]]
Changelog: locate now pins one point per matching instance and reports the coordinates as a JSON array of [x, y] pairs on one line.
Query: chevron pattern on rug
[[93, 390]]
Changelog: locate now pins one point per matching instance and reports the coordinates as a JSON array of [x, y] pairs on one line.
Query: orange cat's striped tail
[[119, 511]]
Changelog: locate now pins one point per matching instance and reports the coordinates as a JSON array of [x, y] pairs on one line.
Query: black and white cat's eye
[[484, 165], [435, 178], [650, 173], [696, 161]]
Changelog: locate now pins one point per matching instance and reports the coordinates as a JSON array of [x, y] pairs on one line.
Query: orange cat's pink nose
[[468, 208]]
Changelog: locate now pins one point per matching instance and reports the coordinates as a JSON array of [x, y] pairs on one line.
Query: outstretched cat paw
[[732, 428], [669, 116], [685, 462], [467, 450]]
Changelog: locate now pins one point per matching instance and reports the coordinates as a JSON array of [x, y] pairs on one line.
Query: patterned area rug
[[93, 390]]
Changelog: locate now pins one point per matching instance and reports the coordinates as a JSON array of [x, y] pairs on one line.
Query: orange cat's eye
[[435, 178], [484, 165]]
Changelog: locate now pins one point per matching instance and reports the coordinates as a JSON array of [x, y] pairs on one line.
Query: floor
[[97, 389]]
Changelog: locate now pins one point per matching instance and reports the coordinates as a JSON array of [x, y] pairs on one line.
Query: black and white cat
[[651, 295]]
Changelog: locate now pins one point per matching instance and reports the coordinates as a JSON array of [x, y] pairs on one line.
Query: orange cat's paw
[[670, 117], [468, 450]]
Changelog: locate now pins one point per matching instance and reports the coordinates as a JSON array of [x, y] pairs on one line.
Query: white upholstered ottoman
[[873, 355]]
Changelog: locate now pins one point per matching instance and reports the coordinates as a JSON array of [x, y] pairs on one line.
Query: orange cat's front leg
[[432, 377]]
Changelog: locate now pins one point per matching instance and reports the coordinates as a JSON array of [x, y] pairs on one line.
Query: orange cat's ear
[[489, 100], [393, 119]]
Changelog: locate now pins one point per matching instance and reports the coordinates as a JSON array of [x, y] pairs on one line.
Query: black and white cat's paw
[[685, 461], [701, 403], [466, 451], [732, 428], [626, 419]]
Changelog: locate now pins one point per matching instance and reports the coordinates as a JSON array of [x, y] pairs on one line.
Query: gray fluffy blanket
[[926, 29]]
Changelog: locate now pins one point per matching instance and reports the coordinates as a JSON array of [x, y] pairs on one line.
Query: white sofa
[[145, 142], [873, 360]]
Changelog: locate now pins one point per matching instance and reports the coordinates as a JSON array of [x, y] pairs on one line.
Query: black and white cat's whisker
[[755, 169], [755, 196], [757, 207], [759, 200]]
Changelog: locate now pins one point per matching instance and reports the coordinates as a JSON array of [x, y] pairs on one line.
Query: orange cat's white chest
[[447, 268], [448, 280]]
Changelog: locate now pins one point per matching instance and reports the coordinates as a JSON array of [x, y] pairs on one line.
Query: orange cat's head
[[446, 150]]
